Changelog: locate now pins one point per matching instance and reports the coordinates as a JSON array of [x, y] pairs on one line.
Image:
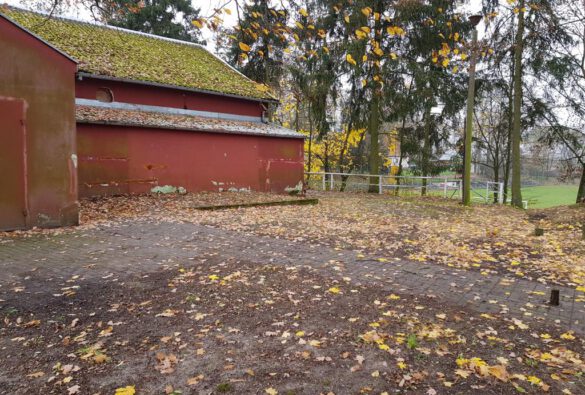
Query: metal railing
[[446, 187]]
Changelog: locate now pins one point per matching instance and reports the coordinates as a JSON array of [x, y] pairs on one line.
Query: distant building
[[135, 112]]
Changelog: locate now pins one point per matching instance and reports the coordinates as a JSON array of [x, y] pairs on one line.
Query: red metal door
[[12, 164]]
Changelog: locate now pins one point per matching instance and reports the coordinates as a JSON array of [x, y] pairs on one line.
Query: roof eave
[[219, 131], [82, 74]]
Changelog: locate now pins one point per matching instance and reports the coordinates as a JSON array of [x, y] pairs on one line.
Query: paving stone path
[[145, 247]]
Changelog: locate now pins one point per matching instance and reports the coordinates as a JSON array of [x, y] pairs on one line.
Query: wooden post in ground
[[555, 297]]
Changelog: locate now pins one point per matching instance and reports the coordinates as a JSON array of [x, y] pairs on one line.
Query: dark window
[[104, 95]]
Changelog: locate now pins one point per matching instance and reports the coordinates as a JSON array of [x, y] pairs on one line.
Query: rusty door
[[12, 164]]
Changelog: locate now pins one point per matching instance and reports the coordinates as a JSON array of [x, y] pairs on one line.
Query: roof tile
[[107, 116], [120, 53]]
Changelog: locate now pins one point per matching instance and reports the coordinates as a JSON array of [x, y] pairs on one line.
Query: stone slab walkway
[[144, 247]]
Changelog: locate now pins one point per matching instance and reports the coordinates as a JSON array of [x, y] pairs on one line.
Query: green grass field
[[538, 197], [550, 195]]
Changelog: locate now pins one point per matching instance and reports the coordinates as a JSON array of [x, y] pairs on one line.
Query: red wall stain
[[126, 92], [116, 160]]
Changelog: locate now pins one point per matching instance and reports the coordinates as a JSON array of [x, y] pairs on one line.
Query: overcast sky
[[206, 6]]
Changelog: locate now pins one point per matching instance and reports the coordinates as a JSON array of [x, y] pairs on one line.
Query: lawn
[[550, 195]]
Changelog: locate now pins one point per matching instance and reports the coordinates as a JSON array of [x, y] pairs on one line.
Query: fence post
[[445, 189], [332, 181], [324, 185], [501, 193], [380, 184]]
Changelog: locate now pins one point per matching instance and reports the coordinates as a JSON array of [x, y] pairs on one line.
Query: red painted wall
[[126, 92], [43, 80], [117, 160]]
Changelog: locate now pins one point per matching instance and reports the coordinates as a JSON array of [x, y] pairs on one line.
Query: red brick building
[[149, 112]]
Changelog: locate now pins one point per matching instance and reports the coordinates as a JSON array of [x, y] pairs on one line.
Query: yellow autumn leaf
[[350, 59], [303, 12], [334, 290], [534, 380], [244, 47], [499, 372], [262, 87], [568, 336], [128, 390], [366, 11], [395, 31], [360, 34], [271, 391], [300, 334], [197, 23]]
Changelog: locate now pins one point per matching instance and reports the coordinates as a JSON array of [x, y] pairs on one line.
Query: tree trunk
[[516, 130], [509, 136], [581, 192], [373, 126], [426, 154], [374, 122], [354, 163], [496, 179], [310, 159], [401, 143]]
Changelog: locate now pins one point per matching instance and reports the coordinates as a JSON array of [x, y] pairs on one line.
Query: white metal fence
[[446, 187]]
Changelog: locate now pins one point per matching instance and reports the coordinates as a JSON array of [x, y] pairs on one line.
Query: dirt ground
[[486, 238], [215, 324]]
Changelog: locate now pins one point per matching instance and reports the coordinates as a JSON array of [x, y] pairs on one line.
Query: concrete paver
[[143, 247]]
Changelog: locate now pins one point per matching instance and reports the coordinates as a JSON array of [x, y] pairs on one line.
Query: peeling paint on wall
[[297, 189], [168, 189]]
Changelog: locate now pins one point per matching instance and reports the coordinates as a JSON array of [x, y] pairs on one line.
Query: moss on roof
[[113, 52], [150, 119]]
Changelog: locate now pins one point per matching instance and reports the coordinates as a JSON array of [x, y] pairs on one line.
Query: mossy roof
[[113, 52], [149, 119]]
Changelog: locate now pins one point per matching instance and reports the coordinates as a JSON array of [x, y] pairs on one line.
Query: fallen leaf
[[128, 390]]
